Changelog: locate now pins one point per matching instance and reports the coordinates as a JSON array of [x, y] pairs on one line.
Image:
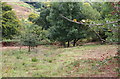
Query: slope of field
[[21, 9], [53, 61]]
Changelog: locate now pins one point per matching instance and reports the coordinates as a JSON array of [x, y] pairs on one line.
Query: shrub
[[34, 59], [23, 63], [30, 40], [32, 16], [50, 61], [18, 57]]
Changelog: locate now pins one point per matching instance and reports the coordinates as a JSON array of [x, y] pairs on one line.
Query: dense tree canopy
[[89, 12], [10, 23], [67, 22], [63, 30]]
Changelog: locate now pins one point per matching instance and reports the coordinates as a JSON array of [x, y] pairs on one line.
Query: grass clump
[[18, 57], [50, 61], [34, 59]]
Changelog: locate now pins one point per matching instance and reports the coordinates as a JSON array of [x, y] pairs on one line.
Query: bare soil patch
[[20, 11]]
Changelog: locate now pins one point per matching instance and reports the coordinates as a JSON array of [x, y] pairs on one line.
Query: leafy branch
[[89, 25]]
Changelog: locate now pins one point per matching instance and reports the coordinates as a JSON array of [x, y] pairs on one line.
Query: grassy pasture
[[53, 61]]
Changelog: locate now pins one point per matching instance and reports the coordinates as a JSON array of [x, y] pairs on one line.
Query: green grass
[[50, 61]]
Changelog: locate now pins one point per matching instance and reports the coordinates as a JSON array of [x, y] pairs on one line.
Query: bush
[[30, 40], [50, 61], [32, 36], [32, 16], [34, 59], [112, 37]]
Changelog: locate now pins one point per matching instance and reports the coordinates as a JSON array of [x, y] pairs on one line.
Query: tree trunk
[[74, 42], [20, 47], [68, 44], [28, 48]]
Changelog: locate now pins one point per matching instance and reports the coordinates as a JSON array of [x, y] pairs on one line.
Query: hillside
[[21, 9], [59, 39], [53, 61]]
